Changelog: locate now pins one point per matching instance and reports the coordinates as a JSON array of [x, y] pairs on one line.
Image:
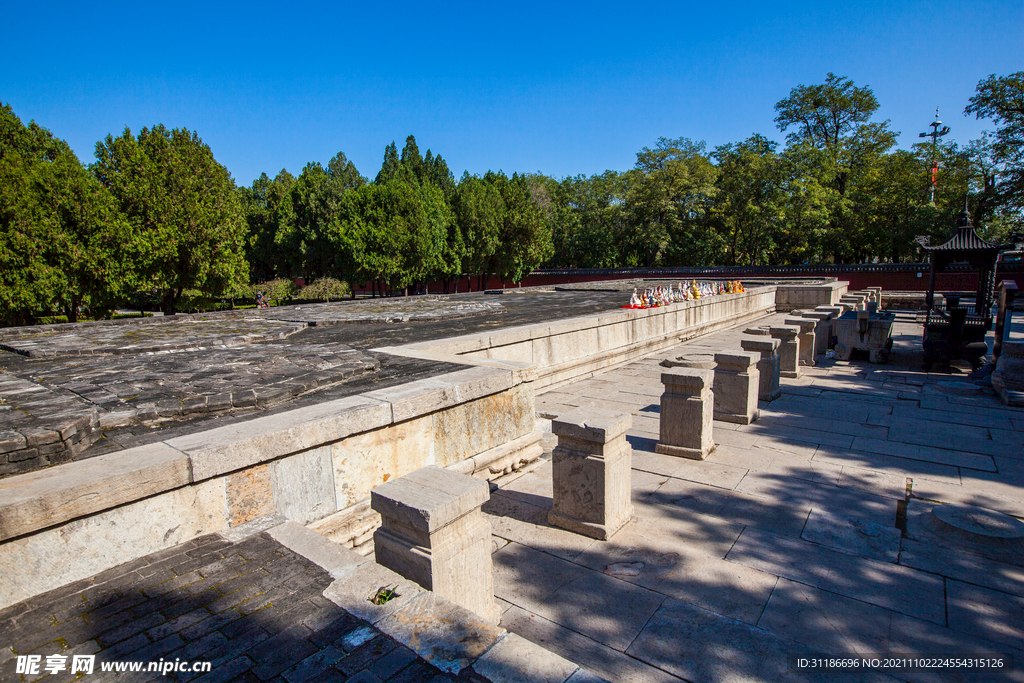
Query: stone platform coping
[[444, 634], [46, 498], [451, 349]]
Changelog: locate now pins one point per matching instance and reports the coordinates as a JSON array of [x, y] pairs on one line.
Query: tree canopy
[[182, 206]]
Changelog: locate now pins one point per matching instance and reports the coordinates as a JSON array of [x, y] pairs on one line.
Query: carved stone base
[[682, 452]]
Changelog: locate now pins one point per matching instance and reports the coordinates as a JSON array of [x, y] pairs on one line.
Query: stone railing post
[[687, 407], [789, 350], [807, 340], [736, 386], [590, 472], [767, 367], [822, 331], [1008, 377], [433, 533]]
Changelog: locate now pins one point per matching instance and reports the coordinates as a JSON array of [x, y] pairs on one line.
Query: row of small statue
[[663, 296]]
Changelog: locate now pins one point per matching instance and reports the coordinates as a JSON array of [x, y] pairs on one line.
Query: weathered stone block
[[444, 634], [303, 485], [789, 349], [736, 387], [591, 472], [249, 494], [687, 408], [807, 341], [433, 532], [515, 659], [768, 367], [232, 447], [38, 500], [83, 547]]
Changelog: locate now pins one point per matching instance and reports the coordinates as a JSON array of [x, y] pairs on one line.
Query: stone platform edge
[[446, 635], [567, 350]]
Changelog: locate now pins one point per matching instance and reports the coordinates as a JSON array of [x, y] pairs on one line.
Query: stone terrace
[[787, 539], [74, 391]]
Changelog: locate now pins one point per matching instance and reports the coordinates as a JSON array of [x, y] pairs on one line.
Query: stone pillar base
[[601, 532], [683, 452], [768, 367], [789, 350], [687, 408]]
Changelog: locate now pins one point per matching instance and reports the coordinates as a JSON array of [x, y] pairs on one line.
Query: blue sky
[[558, 88]]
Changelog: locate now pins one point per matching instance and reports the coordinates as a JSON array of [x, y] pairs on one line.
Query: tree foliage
[[156, 213], [183, 209], [63, 241], [1001, 99]]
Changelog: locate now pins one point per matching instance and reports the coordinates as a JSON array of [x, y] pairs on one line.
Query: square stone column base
[[683, 452], [738, 419], [601, 532]]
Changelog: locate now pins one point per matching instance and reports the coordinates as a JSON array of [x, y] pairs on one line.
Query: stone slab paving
[[401, 310], [252, 608], [96, 387], [807, 531], [152, 335], [67, 403]]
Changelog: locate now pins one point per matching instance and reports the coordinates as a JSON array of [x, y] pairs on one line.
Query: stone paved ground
[[785, 540], [252, 608]]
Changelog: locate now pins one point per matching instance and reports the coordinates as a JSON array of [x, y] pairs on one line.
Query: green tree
[[393, 233], [806, 205], [834, 118], [316, 196], [668, 205], [389, 169], [1001, 99], [478, 212], [588, 221], [183, 206], [274, 246], [749, 203], [63, 242], [525, 235]]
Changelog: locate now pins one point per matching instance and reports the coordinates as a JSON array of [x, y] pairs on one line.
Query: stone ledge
[[53, 496], [429, 498], [233, 447], [426, 396]]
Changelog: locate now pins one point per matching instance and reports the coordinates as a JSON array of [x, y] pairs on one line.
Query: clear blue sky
[[557, 88]]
